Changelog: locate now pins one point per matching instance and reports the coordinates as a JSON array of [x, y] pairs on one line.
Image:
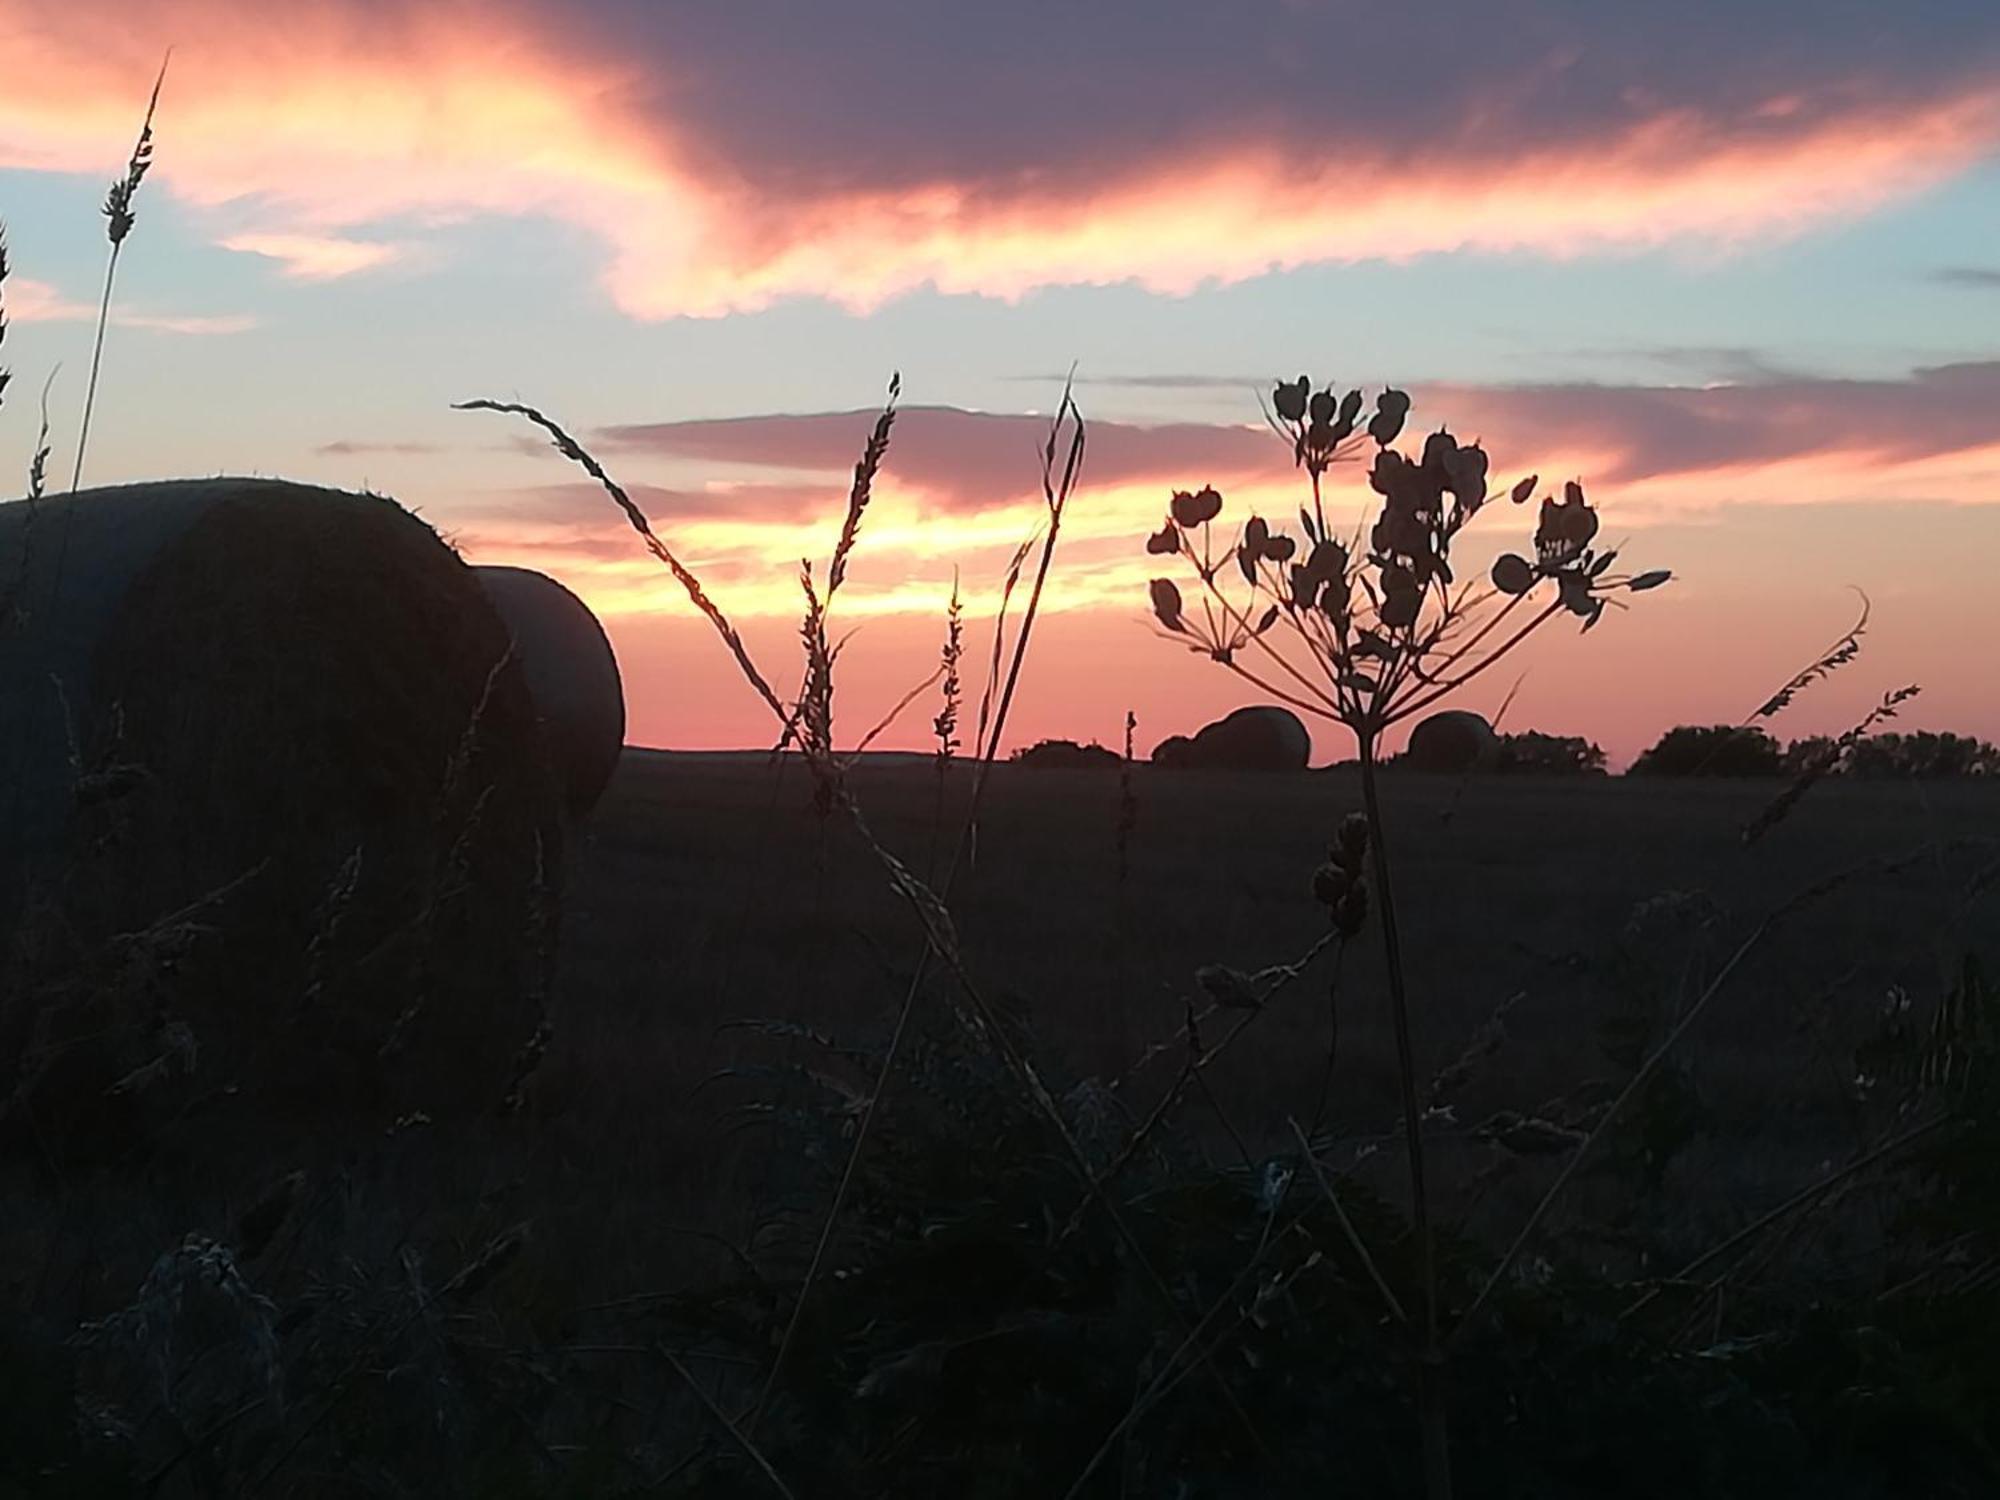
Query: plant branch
[[721, 1419], [1354, 1239], [1445, 689], [1646, 1068]]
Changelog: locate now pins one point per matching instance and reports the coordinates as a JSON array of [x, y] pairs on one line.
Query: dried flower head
[[1379, 628], [1196, 509]]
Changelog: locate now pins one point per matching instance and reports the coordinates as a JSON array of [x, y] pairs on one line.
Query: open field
[[708, 891], [493, 1306]]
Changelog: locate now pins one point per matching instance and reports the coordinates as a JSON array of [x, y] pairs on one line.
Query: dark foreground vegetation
[[1776, 1273]]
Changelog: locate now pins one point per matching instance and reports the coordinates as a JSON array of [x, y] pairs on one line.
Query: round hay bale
[[1453, 740], [1250, 739], [572, 675], [277, 834]]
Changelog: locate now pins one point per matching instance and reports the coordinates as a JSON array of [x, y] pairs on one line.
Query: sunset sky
[[1736, 267]]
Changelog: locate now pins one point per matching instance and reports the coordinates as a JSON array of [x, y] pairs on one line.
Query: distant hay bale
[[1454, 740], [1250, 739], [276, 828], [572, 675]]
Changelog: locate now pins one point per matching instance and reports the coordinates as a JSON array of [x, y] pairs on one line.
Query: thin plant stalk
[[636, 518], [1057, 498], [38, 464], [1803, 1198], [945, 725], [119, 221], [742, 1439], [1430, 1387], [1354, 1240], [5, 374], [96, 362], [979, 1020]]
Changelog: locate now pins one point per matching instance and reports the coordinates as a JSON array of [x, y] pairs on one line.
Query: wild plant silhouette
[[1369, 629], [120, 217]]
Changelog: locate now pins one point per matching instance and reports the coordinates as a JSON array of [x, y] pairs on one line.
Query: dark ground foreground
[[709, 891], [498, 1309]]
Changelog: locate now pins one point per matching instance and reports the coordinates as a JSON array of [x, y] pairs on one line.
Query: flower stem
[[96, 360], [1430, 1362]]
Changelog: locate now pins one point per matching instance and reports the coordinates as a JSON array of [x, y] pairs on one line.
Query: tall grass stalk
[[1824, 664], [119, 218], [1128, 810], [1825, 763], [6, 375], [944, 727], [923, 899], [38, 463], [811, 719], [636, 518]]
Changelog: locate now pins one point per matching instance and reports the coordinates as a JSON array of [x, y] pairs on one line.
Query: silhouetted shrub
[[1711, 750], [1802, 755], [1923, 754], [1563, 754], [1066, 755]]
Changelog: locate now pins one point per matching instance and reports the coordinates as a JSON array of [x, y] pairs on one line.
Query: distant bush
[[1923, 754], [1712, 750], [1802, 755], [1066, 755], [1887, 756], [1567, 754]]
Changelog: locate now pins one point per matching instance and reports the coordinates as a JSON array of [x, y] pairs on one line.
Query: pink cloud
[[1853, 435], [30, 301]]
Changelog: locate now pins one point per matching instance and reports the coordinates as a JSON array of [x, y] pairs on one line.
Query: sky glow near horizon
[[1748, 293]]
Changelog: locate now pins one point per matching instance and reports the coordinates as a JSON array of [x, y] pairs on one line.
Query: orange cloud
[[328, 117]]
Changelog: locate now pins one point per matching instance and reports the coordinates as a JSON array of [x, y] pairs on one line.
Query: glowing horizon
[[1748, 298]]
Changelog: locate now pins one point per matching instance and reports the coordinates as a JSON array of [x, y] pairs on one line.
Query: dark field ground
[[708, 892], [492, 1307]]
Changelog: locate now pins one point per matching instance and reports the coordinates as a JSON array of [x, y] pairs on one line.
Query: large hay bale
[[1250, 739], [1453, 740], [572, 675], [276, 824]]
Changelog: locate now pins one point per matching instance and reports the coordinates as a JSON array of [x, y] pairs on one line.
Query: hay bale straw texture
[[276, 828], [1454, 740], [572, 675]]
